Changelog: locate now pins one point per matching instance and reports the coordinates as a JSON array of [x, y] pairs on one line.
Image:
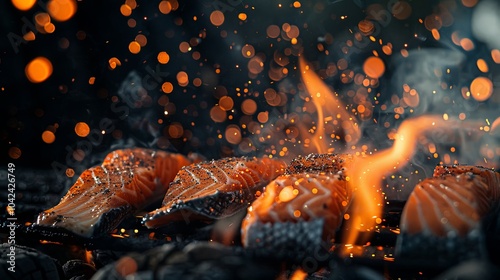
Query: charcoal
[[102, 258], [471, 270], [200, 260], [36, 190], [286, 240], [78, 270], [29, 264], [450, 249], [355, 273]]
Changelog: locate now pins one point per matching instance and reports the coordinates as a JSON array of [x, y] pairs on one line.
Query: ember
[[300, 139]]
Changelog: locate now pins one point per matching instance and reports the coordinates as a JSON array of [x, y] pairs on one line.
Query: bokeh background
[[221, 78]]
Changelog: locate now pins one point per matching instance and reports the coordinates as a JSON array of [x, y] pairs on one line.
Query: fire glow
[[366, 178], [329, 108]]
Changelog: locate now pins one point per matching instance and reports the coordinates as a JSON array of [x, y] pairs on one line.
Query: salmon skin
[[313, 192], [128, 180], [452, 203], [214, 189]]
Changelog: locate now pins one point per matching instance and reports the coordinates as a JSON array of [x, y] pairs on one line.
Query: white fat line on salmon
[[187, 189], [107, 175], [247, 177], [423, 223], [70, 207], [229, 180], [459, 213], [436, 209], [458, 195], [327, 193], [443, 206], [96, 179]]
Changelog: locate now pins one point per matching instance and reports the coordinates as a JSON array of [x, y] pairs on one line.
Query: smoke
[[139, 117], [485, 22], [430, 72]]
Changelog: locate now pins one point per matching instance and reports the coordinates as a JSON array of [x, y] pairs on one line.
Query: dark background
[[67, 98]]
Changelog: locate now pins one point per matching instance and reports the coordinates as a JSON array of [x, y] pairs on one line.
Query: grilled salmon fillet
[[128, 180], [453, 202], [214, 189]]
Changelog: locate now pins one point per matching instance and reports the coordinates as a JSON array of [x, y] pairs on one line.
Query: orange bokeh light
[[482, 65], [114, 62], [48, 137], [38, 70], [249, 106], [23, 5], [226, 103], [165, 7], [82, 129], [167, 87], [126, 10], [134, 47], [163, 57], [14, 152], [481, 88], [495, 55], [242, 16], [61, 10], [374, 67], [217, 18], [182, 78]]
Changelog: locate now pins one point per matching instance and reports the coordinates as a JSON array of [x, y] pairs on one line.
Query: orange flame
[[366, 178], [329, 108]]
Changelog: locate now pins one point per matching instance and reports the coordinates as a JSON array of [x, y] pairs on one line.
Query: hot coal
[[29, 264], [195, 261], [78, 270]]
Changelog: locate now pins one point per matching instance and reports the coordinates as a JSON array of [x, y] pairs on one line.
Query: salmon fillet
[[214, 189], [451, 203], [128, 180], [314, 187], [489, 176], [303, 196]]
